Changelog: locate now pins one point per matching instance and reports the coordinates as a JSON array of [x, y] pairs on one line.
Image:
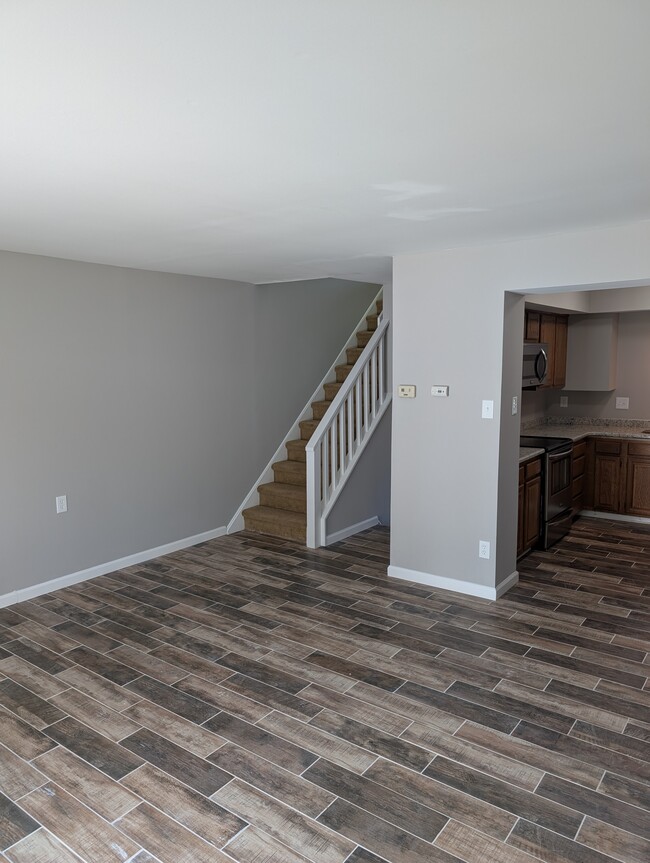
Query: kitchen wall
[[632, 379], [134, 394]]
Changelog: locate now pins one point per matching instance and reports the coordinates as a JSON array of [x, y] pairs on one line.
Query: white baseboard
[[24, 593], [338, 535], [456, 585]]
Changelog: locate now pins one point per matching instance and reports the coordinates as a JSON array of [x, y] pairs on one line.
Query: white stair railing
[[342, 434]]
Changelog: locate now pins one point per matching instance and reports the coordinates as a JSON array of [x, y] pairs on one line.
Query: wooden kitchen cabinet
[[550, 329], [618, 477], [607, 475], [637, 479], [531, 326], [553, 331], [529, 522]]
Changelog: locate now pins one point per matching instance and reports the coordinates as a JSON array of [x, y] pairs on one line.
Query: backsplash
[[533, 422]]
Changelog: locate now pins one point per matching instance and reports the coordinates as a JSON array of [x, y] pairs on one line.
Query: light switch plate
[[487, 409], [406, 391], [564, 401]]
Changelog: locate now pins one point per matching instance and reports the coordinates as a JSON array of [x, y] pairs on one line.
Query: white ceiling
[[280, 139]]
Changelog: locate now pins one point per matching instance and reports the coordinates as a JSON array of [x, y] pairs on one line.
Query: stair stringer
[[236, 523]]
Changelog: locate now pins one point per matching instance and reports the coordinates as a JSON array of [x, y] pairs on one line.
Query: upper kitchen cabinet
[[591, 353], [550, 329]]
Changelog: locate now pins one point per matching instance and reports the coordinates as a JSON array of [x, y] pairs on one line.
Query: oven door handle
[[559, 455], [541, 375]]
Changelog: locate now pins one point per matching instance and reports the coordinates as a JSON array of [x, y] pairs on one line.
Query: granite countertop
[[579, 428], [528, 452]]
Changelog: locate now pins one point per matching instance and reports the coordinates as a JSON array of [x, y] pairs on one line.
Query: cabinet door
[[547, 335], [532, 511], [531, 327], [607, 476], [559, 358], [521, 545], [637, 485]]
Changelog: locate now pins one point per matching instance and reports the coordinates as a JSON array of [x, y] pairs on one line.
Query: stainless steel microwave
[[535, 365]]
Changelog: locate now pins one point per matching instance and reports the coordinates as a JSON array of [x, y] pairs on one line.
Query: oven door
[[558, 483]]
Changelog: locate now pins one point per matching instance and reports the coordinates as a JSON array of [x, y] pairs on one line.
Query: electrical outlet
[[440, 390], [564, 401], [484, 549], [515, 405], [487, 409], [622, 403], [62, 504], [406, 391]]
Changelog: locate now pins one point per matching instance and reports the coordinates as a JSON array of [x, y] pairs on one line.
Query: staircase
[[282, 510]]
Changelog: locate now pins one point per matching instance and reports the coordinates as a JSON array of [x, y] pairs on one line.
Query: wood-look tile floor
[[248, 700]]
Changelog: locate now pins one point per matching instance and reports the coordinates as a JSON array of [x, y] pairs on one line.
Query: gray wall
[[453, 473], [135, 393], [632, 377], [367, 492], [299, 329], [117, 389]]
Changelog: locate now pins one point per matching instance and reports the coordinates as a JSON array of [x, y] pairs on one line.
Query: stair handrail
[[236, 523], [342, 434]]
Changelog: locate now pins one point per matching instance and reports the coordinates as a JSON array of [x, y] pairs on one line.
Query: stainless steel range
[[556, 495]]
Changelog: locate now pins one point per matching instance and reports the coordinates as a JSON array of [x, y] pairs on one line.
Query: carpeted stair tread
[[291, 472], [296, 449], [343, 371], [283, 495], [276, 522], [308, 427]]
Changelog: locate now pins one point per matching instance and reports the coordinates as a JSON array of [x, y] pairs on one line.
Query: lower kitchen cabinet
[[607, 475], [618, 478], [529, 523], [637, 479]]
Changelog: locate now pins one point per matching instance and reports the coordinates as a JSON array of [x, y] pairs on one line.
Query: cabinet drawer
[[579, 449], [638, 448], [605, 445], [577, 466], [577, 487], [533, 468]]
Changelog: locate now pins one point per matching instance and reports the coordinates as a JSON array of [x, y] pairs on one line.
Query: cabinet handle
[[542, 375]]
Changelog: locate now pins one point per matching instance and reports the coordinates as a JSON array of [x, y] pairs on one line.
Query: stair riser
[[342, 372], [307, 428], [353, 354], [363, 338], [371, 321], [278, 500], [331, 390], [297, 455], [292, 477], [275, 528]]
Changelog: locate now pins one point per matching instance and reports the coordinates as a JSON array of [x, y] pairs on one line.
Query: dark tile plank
[[78, 827], [548, 813], [268, 745], [94, 748], [178, 762], [15, 823]]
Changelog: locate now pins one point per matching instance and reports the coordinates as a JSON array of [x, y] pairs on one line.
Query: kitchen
[[585, 432]]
